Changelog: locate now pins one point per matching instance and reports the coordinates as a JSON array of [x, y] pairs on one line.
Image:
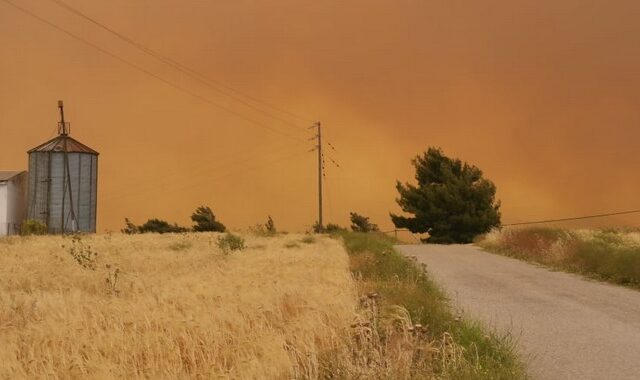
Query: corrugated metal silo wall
[[38, 186], [83, 169]]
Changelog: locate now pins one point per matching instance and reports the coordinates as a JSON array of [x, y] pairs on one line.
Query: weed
[[111, 281], [267, 229], [230, 242], [33, 227], [82, 253], [180, 245], [292, 244], [308, 239]]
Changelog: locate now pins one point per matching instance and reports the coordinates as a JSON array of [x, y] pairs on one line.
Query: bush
[[267, 229], [129, 227], [83, 254], [205, 221], [308, 239], [230, 242], [333, 228], [161, 227], [270, 226], [33, 227], [360, 223]]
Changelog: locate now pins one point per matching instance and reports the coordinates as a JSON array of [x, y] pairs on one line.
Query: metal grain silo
[[63, 179]]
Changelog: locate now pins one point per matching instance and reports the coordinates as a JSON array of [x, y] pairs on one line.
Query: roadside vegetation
[[437, 343], [609, 255]]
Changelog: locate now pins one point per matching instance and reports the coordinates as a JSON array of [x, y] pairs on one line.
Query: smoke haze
[[541, 95]]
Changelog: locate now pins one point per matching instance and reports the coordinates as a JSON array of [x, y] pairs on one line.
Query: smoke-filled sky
[[542, 95]]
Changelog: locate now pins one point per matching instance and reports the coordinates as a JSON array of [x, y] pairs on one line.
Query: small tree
[[129, 227], [205, 221], [452, 202], [270, 226], [360, 223], [160, 226]]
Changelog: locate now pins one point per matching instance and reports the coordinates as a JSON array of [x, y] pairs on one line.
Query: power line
[[574, 218], [218, 178], [215, 85], [151, 74], [194, 171]]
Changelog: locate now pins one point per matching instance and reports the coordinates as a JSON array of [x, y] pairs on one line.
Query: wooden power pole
[[320, 173]]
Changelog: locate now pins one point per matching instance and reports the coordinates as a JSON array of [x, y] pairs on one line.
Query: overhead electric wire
[[574, 218], [151, 74], [213, 84], [200, 168], [214, 179]]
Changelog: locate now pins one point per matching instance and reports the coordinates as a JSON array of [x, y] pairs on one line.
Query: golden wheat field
[[171, 306]]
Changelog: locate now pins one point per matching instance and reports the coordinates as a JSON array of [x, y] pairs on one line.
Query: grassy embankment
[[463, 348], [607, 255]]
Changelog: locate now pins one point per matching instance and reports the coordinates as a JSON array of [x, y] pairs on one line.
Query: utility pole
[[320, 172]]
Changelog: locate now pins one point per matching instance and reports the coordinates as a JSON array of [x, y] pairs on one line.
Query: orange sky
[[542, 95]]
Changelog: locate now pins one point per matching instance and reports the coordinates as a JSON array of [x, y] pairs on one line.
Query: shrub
[[308, 239], [333, 228], [161, 227], [83, 254], [205, 221], [230, 242], [33, 227], [266, 229], [292, 244], [129, 227], [360, 223], [180, 245], [270, 226], [329, 228]]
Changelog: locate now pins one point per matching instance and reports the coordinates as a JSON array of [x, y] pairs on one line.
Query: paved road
[[567, 327]]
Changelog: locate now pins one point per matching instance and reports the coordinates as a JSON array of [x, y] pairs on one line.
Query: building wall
[[47, 175], [13, 204], [16, 202], [4, 227]]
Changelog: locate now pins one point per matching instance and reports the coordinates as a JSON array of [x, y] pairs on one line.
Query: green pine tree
[[452, 202]]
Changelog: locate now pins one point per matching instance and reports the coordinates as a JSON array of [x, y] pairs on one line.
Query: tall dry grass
[[611, 255], [178, 308]]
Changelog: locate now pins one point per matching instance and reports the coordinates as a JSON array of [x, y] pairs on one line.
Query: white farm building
[[13, 201]]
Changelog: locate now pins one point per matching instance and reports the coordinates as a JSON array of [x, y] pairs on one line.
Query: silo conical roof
[[60, 142]]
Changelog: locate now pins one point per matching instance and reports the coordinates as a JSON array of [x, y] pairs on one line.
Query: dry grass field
[[610, 255], [178, 307]]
